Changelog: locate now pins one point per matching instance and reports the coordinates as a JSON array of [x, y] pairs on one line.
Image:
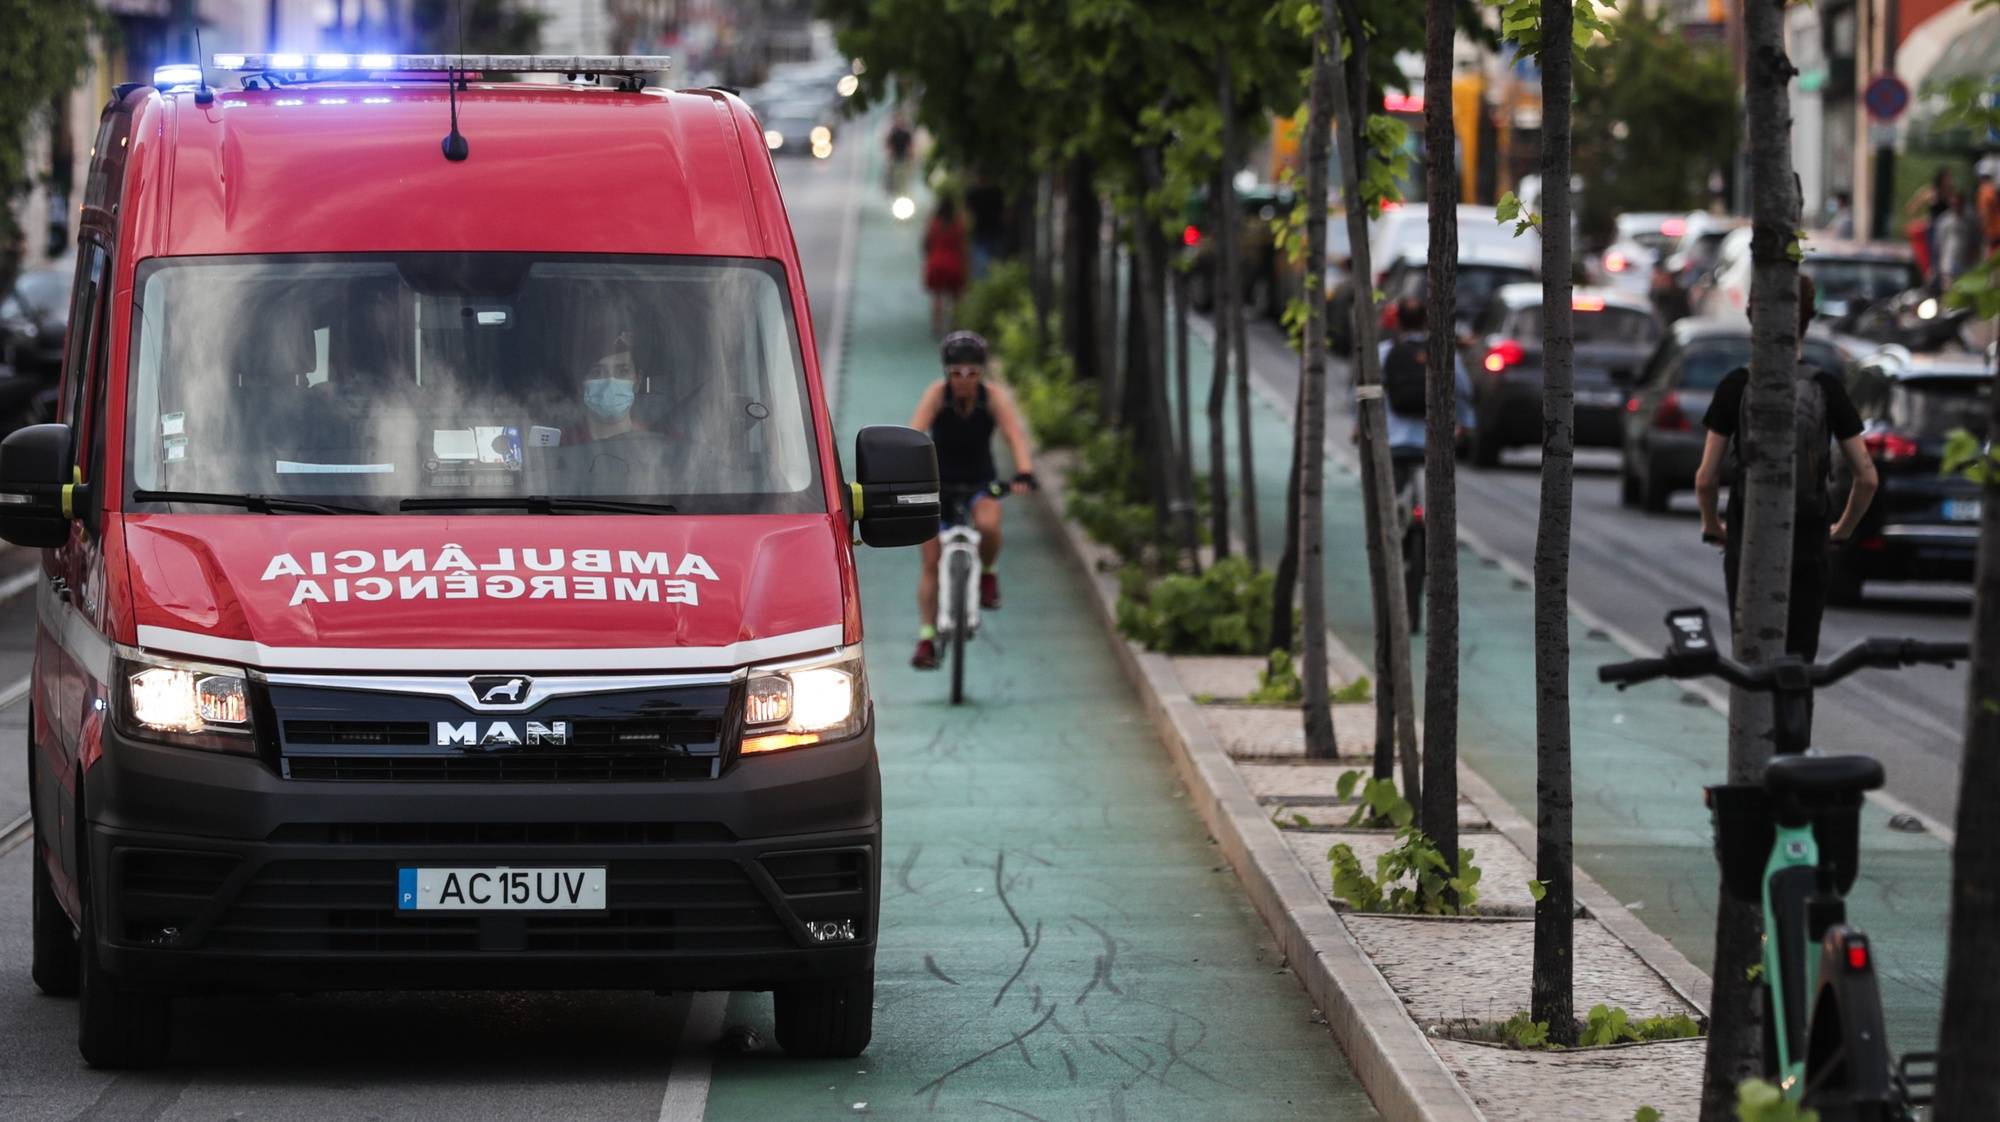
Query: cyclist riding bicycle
[[1403, 360], [961, 411]]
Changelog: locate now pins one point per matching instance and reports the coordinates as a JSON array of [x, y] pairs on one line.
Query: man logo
[[499, 690], [501, 734]]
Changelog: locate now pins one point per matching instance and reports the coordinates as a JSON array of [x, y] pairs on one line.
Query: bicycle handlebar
[[1770, 677]]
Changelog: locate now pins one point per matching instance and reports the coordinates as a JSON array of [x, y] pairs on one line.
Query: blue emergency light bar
[[177, 74], [324, 65]]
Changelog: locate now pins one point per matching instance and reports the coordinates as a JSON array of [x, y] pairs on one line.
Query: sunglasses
[[965, 371]]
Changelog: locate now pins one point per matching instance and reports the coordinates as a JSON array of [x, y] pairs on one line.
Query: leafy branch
[[1509, 209]]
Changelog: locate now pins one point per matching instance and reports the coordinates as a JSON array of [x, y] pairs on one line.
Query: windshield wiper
[[260, 504], [538, 504]]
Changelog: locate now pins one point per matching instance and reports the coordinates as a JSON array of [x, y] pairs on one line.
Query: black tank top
[[964, 441]]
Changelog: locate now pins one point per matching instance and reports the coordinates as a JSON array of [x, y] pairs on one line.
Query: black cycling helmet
[[964, 348]]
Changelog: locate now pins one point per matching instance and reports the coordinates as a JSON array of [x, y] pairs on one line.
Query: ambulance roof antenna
[[203, 95], [455, 147]]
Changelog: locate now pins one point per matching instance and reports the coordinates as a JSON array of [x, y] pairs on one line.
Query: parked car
[[1483, 270], [1640, 240], [33, 318], [1698, 243], [1403, 231], [1614, 332], [1923, 524], [1849, 275], [1256, 248], [1730, 247], [1662, 433]]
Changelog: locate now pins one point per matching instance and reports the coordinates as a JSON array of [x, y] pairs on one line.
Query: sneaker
[[926, 657], [989, 591]]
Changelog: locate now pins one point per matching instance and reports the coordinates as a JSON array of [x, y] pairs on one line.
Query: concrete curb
[[1687, 980], [1389, 1053]]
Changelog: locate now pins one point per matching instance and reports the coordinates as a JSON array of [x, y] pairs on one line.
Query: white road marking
[[20, 582], [1717, 698], [15, 833], [686, 1098], [835, 351], [15, 691]]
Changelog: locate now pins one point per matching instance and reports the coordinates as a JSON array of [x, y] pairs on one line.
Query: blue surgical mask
[[608, 399]]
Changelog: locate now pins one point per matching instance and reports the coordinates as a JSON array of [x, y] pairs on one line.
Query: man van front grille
[[338, 733], [558, 765]]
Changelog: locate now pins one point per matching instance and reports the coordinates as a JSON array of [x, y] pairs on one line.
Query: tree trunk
[[1353, 133], [1149, 359], [1440, 811], [1080, 260], [1132, 387], [1218, 432], [1186, 527], [1309, 429], [1227, 217], [1766, 435], [1285, 588], [1042, 257], [1553, 997], [1107, 338], [1968, 1080], [1394, 681]]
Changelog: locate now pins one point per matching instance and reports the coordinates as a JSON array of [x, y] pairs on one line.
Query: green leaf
[[1538, 890], [1344, 786], [1646, 1114], [1507, 209]]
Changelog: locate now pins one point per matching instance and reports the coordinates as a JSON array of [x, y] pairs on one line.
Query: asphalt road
[[1629, 567]]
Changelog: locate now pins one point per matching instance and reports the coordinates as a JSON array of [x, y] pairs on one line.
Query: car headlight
[[805, 703], [773, 139], [186, 703]]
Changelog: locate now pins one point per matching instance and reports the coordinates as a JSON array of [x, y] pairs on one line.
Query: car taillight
[[1503, 354], [1890, 447], [1632, 405], [1191, 237], [1615, 262], [1417, 513], [1669, 416]]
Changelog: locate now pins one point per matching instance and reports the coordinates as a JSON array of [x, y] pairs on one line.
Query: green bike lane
[[1059, 938], [1640, 757]]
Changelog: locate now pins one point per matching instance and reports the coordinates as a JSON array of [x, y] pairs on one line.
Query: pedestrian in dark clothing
[[1826, 417]]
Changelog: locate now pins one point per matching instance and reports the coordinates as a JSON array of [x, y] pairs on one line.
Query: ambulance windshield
[[399, 381]]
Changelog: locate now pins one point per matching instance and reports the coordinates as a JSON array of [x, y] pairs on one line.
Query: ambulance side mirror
[[894, 496], [36, 492]]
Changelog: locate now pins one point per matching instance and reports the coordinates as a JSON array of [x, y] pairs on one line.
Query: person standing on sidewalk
[[944, 264], [962, 411], [1988, 199], [1826, 416]]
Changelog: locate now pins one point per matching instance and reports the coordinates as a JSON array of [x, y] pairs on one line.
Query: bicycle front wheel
[[961, 612]]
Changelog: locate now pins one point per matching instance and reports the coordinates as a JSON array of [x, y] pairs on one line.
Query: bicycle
[[958, 573], [1792, 844]]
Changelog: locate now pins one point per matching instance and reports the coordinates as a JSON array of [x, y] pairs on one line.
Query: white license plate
[[1961, 510], [499, 889]]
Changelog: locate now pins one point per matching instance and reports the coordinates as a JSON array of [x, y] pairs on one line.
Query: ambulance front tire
[[829, 1019], [116, 1026], [55, 960]]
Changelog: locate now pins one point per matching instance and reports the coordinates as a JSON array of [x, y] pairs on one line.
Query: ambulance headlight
[[191, 704], [805, 703]]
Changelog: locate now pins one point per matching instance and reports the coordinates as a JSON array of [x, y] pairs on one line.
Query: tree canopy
[[43, 55]]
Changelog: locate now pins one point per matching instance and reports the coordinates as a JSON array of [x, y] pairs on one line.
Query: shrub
[[1410, 878], [1005, 286], [1278, 683], [1222, 611]]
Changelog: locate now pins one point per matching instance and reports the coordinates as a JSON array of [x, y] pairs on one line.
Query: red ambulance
[[448, 565]]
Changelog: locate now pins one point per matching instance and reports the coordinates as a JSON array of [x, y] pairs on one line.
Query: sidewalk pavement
[[1059, 937], [1640, 758]]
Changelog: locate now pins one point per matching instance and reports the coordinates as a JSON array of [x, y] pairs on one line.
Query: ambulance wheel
[[55, 962], [830, 1019], [117, 1027]]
